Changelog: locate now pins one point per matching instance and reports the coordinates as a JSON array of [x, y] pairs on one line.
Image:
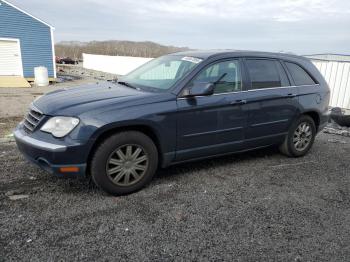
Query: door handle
[[239, 102], [291, 95]]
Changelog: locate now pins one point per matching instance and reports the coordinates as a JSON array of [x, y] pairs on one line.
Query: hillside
[[74, 49]]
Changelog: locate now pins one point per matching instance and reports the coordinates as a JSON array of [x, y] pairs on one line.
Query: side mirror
[[200, 89]]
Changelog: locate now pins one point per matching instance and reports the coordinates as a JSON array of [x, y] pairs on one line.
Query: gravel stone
[[18, 197], [256, 206], [14, 192]]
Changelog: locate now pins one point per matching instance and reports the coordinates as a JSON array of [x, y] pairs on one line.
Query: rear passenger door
[[272, 102]]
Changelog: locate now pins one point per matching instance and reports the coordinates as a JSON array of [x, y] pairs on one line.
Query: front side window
[[264, 73], [229, 72], [162, 73], [299, 75]]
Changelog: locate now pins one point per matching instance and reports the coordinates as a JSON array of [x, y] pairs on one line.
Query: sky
[[298, 26]]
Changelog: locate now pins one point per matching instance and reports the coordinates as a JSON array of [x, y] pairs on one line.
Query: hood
[[68, 101]]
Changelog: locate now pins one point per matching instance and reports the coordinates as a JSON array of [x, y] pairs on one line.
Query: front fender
[[159, 117]]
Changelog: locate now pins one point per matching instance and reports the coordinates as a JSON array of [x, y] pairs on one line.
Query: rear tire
[[300, 137], [124, 163]]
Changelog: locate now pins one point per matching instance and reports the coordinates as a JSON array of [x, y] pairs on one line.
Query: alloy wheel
[[302, 136]]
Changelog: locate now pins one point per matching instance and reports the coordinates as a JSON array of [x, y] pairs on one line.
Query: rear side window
[[265, 73], [299, 75]]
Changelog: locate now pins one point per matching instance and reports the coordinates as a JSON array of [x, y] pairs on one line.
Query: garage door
[[10, 58]]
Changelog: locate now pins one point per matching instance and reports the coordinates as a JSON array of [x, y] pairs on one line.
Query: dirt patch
[[14, 102]]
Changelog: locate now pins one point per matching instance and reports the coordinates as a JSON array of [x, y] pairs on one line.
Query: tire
[[117, 166], [290, 146]]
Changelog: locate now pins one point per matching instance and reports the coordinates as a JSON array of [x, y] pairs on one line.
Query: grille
[[32, 119]]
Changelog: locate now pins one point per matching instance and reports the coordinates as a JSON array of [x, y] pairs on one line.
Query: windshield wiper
[[128, 85], [220, 78]]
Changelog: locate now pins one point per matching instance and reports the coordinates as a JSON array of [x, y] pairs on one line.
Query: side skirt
[[213, 156]]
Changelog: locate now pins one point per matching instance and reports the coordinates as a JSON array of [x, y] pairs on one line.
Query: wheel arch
[[315, 116], [149, 131]]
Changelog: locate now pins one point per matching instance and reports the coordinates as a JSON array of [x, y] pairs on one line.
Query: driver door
[[214, 124]]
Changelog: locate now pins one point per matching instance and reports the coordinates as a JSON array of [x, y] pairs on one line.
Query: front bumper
[[52, 157]]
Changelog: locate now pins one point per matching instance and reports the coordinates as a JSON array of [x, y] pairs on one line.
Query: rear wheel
[[124, 163], [300, 137]]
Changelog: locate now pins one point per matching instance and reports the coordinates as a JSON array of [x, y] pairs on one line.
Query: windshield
[[162, 73]]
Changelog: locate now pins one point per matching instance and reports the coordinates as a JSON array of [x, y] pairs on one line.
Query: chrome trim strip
[[33, 116], [27, 118], [280, 87], [252, 90], [34, 108], [37, 143], [31, 128]]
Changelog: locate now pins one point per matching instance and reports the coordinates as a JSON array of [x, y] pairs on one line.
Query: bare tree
[[75, 49]]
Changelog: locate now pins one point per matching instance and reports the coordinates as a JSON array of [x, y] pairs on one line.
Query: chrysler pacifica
[[180, 107]]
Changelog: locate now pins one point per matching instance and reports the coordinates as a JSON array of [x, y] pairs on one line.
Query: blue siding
[[35, 38]]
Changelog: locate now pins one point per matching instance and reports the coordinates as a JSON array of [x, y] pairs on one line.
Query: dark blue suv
[[179, 107]]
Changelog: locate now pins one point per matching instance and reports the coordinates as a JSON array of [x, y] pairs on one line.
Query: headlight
[[60, 126]]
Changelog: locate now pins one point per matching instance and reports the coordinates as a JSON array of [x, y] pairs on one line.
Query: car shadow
[[220, 161], [73, 186]]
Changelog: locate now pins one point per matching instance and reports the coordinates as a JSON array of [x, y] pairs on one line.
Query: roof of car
[[204, 54]]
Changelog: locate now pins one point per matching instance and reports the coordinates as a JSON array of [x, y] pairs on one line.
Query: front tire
[[124, 163], [300, 137]]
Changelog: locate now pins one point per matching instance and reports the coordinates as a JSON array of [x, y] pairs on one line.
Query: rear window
[[263, 73], [299, 75]]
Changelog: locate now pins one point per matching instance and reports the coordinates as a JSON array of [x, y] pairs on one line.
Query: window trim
[[302, 67], [242, 73], [246, 78], [286, 73], [246, 91]]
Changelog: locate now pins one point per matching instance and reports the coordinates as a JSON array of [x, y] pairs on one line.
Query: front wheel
[[124, 163], [300, 138]]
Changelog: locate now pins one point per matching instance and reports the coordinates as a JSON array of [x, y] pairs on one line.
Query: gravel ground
[[258, 206]]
